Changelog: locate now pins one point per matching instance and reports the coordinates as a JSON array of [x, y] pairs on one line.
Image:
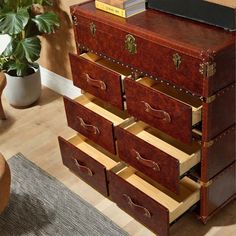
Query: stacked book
[[123, 8]]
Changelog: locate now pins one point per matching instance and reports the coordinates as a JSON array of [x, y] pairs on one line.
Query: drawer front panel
[[139, 205], [84, 166], [156, 164], [90, 124], [219, 114], [219, 155], [186, 76], [221, 189], [97, 80], [159, 110]]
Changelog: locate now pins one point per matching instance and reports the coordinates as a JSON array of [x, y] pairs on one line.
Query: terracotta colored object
[[2, 86], [76, 113], [97, 80], [164, 43], [88, 169], [5, 181], [182, 85]]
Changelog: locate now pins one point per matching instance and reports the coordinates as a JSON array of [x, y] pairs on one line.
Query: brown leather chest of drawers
[[156, 119]]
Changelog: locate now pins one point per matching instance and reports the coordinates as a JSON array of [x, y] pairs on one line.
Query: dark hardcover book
[[220, 13]]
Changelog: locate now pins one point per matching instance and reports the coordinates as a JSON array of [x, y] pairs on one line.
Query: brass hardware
[[92, 28], [210, 99], [177, 60], [208, 144], [75, 20], [203, 184], [130, 44], [207, 69]]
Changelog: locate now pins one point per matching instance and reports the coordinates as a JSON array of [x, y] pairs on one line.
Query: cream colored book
[[137, 8], [123, 4]]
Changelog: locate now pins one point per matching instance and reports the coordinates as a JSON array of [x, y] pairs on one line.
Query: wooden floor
[[34, 131]]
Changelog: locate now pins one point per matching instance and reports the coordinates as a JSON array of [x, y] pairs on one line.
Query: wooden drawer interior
[[194, 102], [176, 204], [101, 108], [188, 155], [94, 151], [117, 68]]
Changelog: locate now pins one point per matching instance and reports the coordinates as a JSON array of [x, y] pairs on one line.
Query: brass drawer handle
[[91, 128], [96, 83], [160, 114], [82, 167], [146, 162], [138, 207]]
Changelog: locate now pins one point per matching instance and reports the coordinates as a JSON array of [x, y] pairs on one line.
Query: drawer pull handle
[[145, 162], [160, 114], [135, 206], [96, 83], [91, 128], [83, 168]]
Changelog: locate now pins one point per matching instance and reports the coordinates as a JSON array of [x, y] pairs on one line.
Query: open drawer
[[94, 119], [149, 203], [88, 161], [163, 107], [100, 77], [159, 156]]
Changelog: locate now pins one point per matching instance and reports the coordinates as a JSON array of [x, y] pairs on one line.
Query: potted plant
[[24, 21]]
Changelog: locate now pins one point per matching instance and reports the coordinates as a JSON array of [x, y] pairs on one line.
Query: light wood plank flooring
[[34, 131]]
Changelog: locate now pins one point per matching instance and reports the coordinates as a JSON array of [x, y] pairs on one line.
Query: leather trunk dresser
[[156, 118]]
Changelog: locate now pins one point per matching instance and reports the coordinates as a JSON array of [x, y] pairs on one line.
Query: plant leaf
[[47, 3], [17, 68], [11, 47], [13, 22], [47, 22], [28, 48]]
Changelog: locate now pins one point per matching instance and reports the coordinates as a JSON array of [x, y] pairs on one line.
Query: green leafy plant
[[24, 21]]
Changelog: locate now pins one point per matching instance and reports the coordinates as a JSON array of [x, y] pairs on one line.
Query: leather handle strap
[[130, 202], [160, 114], [83, 168], [94, 82], [148, 163], [90, 128]]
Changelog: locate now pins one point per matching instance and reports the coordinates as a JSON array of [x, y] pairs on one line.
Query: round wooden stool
[[5, 181], [2, 86]]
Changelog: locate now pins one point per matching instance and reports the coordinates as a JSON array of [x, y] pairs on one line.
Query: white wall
[[4, 40]]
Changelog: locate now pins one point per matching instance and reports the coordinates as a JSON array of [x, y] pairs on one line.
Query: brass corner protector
[[207, 69], [208, 99], [208, 144], [205, 185]]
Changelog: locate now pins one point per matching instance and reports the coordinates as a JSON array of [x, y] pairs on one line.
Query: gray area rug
[[41, 205]]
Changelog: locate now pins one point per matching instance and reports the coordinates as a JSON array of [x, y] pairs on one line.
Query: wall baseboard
[[58, 83], [50, 79]]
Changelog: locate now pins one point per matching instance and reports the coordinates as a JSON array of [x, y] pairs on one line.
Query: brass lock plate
[[92, 28], [130, 44], [177, 60]]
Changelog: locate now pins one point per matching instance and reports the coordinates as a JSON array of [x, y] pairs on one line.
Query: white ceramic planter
[[23, 91]]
